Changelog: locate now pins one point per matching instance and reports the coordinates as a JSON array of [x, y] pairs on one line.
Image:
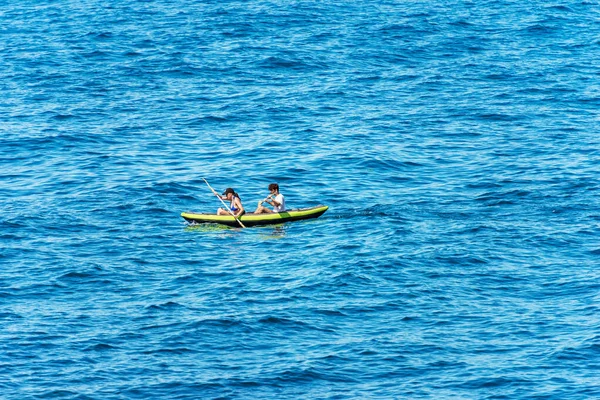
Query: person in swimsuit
[[275, 199], [236, 206]]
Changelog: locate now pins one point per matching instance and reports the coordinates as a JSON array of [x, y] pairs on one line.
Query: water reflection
[[207, 228], [266, 232], [274, 232]]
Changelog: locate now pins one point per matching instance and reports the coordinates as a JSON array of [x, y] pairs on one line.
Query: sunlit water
[[456, 144]]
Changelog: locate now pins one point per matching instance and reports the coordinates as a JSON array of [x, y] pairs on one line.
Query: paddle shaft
[[269, 197], [265, 200], [224, 205]]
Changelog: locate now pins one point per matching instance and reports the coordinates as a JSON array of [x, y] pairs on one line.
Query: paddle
[[225, 205], [269, 197]]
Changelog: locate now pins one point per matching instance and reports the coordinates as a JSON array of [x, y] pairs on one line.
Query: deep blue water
[[456, 143]]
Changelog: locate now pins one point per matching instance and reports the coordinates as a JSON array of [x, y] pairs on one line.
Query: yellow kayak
[[251, 219]]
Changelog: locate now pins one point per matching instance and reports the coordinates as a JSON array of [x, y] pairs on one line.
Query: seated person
[[275, 199], [236, 206]]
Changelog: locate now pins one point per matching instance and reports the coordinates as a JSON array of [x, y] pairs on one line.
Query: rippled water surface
[[456, 143]]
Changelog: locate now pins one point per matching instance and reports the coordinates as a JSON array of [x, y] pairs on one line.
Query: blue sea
[[456, 143]]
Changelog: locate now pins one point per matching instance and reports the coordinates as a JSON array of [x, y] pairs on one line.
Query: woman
[[275, 199], [236, 206]]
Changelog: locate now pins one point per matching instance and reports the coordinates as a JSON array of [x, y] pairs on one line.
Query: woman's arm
[[239, 206]]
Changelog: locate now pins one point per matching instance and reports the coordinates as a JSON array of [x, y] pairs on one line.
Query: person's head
[[229, 193], [274, 188]]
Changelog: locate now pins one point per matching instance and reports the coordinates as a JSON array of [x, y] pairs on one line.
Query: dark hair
[[273, 186], [230, 190]]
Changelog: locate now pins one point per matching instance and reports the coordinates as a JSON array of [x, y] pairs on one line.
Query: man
[[275, 199]]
